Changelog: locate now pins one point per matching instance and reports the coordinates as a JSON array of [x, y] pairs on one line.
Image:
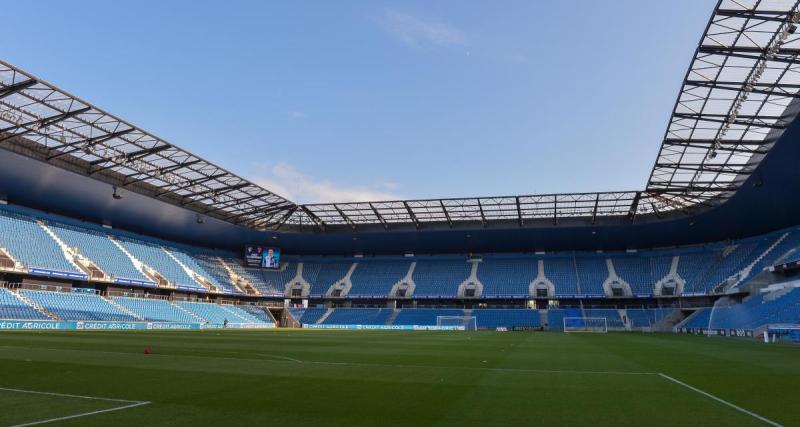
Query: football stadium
[[141, 284]]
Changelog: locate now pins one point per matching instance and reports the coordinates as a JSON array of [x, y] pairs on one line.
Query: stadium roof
[[735, 102]]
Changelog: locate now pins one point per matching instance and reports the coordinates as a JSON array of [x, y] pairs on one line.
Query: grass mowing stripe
[[85, 414], [283, 359], [720, 400]]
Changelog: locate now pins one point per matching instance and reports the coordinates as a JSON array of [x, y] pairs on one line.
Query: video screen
[[262, 256]]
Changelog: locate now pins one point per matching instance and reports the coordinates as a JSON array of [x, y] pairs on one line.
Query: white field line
[[722, 401], [130, 404]]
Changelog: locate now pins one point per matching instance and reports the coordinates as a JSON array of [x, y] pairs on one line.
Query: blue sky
[[344, 100]]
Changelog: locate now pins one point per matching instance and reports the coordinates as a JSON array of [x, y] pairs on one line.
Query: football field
[[324, 377]]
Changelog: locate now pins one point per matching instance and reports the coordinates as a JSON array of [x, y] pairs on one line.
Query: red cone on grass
[[148, 350]]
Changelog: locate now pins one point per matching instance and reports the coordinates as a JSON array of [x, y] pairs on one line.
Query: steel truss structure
[[737, 98]]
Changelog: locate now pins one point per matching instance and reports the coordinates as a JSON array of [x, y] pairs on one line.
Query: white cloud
[[285, 180], [415, 31], [297, 115]]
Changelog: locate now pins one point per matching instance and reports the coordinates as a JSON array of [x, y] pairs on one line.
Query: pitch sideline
[[720, 400], [129, 405]]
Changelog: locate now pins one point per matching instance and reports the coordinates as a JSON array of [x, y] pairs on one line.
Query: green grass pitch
[[302, 377]]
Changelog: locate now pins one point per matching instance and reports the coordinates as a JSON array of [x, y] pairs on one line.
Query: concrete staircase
[[235, 315], [392, 317], [81, 263], [196, 317], [8, 262], [197, 277], [322, 318], [143, 268], [30, 302], [745, 272], [240, 282], [123, 309]]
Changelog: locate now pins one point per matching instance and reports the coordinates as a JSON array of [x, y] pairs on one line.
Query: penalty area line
[[720, 400], [130, 404]]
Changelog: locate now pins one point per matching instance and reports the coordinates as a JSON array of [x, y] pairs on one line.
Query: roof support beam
[[378, 215], [519, 211], [446, 214], [718, 118], [285, 217], [411, 214], [737, 87], [16, 87], [634, 205], [89, 142], [345, 217], [162, 171], [41, 123], [320, 223], [129, 157], [483, 216]]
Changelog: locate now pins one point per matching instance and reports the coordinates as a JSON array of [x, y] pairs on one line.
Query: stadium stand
[[30, 244], [645, 318], [507, 276], [241, 315], [376, 278], [555, 317], [509, 318], [424, 316], [77, 305], [307, 315], [358, 316], [638, 272], [322, 275], [13, 308], [561, 271], [213, 269], [268, 282], [156, 310], [97, 247], [612, 316], [259, 313], [756, 311], [437, 278], [156, 257], [210, 312], [592, 273]]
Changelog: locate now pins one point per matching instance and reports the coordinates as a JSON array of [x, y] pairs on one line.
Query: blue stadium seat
[[31, 245], [507, 276], [155, 256], [424, 316], [376, 278], [99, 249], [358, 316], [77, 306], [307, 315], [156, 310], [440, 278], [509, 318], [14, 308]]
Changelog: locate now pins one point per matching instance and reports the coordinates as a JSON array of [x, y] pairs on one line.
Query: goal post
[[586, 324], [457, 323]]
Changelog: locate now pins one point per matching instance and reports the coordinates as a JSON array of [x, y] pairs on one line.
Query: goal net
[[586, 324], [458, 323]]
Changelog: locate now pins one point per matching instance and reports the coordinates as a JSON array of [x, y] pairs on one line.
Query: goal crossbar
[[459, 323], [586, 324]]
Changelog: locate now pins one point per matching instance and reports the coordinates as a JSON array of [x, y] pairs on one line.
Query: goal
[[586, 324], [458, 323]]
